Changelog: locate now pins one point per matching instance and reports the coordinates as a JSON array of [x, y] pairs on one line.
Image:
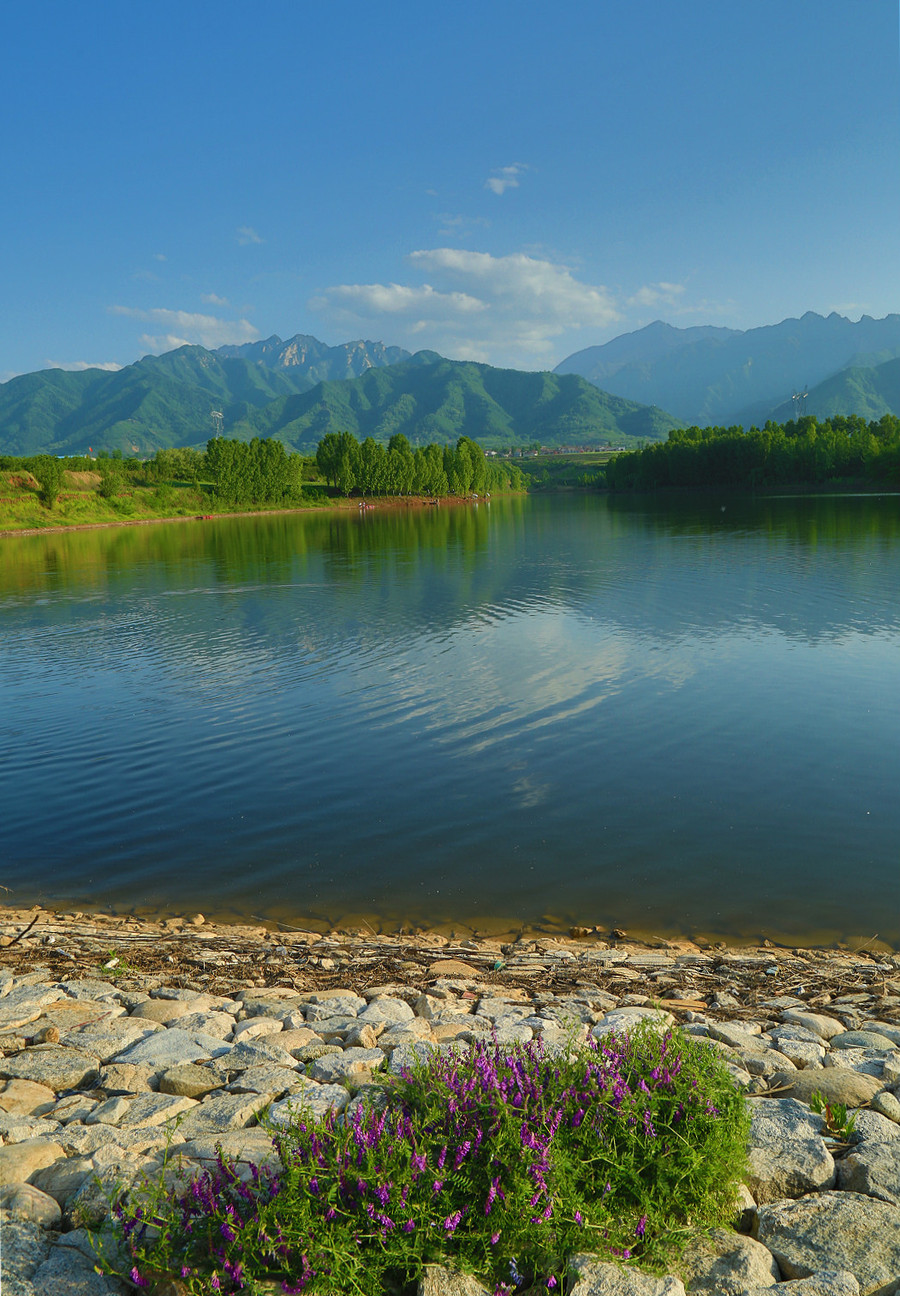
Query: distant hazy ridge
[[723, 376]]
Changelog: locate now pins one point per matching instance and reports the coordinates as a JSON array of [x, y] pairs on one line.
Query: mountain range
[[300, 389], [639, 385], [725, 376]]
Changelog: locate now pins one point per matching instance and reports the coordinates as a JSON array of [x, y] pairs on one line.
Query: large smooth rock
[[839, 1231], [163, 1011], [24, 1004], [622, 1020], [147, 1111], [190, 1080], [25, 1202], [873, 1127], [353, 1064], [788, 1156], [50, 1065], [739, 1035], [312, 1099], [169, 1048], [835, 1084], [16, 1129], [596, 1277], [819, 1023], [63, 1178], [275, 1081], [251, 1028], [888, 1105], [26, 1098], [125, 1078], [67, 1273], [261, 1005], [390, 1012], [726, 1264], [218, 1115], [874, 1170], [21, 1160], [321, 1007], [248, 1146], [258, 1052], [862, 1039]]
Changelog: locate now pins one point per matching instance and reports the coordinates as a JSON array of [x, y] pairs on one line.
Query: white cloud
[[397, 299], [160, 256], [504, 178], [181, 328], [246, 234], [477, 306], [76, 366], [212, 299], [658, 294]]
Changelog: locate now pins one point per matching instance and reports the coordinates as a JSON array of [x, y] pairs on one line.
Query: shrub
[[502, 1161]]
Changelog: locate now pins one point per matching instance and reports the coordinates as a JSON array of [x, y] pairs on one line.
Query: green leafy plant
[[501, 1161], [838, 1125]]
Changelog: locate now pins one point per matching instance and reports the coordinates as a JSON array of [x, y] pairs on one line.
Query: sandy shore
[[218, 957]]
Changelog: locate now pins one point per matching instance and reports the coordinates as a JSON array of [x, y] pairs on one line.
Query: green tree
[[50, 473]]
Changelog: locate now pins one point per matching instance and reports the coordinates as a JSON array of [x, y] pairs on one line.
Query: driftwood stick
[[25, 930]]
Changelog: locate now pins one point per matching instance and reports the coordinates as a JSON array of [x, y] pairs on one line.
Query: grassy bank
[[81, 505]]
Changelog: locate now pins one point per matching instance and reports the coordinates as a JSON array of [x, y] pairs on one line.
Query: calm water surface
[[558, 709]]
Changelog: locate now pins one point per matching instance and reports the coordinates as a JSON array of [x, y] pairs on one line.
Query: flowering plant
[[502, 1161]]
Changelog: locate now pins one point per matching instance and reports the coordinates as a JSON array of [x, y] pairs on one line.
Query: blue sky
[[507, 182]]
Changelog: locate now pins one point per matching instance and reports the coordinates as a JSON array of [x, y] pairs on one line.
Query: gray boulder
[[838, 1230], [49, 1064], [835, 1084], [788, 1156], [726, 1264], [25, 1202], [874, 1169], [25, 1248]]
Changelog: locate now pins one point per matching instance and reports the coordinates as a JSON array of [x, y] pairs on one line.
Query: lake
[[548, 710]]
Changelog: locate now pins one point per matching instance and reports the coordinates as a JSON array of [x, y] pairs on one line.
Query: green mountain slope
[[431, 399], [158, 401], [168, 400], [869, 392]]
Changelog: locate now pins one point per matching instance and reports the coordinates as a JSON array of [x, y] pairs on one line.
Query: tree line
[[369, 468], [797, 452], [263, 471]]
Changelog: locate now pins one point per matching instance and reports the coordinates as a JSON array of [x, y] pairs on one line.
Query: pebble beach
[[125, 1041]]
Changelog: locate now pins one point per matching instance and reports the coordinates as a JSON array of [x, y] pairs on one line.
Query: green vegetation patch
[[797, 452], [501, 1161]]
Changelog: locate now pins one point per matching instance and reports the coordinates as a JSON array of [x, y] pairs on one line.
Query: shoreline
[[131, 1049], [344, 504], [209, 955]]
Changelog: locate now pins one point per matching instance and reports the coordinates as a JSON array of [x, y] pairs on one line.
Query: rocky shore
[[120, 1037]]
